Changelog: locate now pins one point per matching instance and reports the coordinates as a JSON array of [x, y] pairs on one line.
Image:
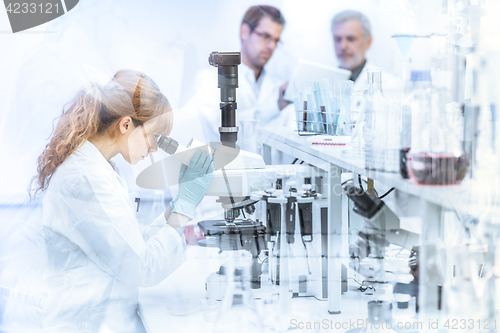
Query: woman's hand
[[175, 220], [193, 183]]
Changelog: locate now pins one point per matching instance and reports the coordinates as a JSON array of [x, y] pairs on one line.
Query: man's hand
[[282, 103]]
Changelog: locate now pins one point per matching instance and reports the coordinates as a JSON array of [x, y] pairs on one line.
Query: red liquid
[[437, 169]]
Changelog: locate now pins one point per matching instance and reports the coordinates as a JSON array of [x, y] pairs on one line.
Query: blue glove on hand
[[193, 183]]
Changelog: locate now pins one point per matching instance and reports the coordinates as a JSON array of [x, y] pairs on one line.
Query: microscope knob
[[250, 209]]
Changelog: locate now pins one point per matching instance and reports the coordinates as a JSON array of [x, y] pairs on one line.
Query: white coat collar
[[88, 149]]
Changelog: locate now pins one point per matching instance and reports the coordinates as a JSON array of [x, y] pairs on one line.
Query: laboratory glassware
[[433, 158], [416, 98], [436, 169], [324, 107], [238, 312], [271, 317], [374, 122], [307, 104], [392, 107], [346, 118]]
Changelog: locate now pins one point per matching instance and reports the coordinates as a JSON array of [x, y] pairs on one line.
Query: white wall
[[170, 40]]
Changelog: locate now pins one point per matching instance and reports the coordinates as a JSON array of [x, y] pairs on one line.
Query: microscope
[[227, 67], [296, 212], [289, 198], [283, 226], [381, 229], [277, 213], [236, 173]]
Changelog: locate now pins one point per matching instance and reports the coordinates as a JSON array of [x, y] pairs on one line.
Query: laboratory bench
[[188, 281], [432, 203], [432, 207]]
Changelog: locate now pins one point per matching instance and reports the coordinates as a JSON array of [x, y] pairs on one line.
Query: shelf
[[467, 197]]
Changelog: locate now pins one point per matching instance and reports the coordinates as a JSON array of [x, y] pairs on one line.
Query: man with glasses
[[259, 95], [260, 34]]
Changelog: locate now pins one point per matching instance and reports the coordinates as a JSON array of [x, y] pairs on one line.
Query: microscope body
[[279, 210], [227, 66], [382, 228], [288, 223], [296, 218]]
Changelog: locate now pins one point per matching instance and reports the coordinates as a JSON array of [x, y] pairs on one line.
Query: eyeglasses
[[268, 38]]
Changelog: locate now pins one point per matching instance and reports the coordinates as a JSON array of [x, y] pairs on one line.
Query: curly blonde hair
[[97, 110]]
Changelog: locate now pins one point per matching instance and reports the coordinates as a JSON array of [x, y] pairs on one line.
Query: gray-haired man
[[352, 38]]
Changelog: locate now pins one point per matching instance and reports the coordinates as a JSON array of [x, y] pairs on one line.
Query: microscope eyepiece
[[364, 204], [224, 58], [167, 144], [227, 68]]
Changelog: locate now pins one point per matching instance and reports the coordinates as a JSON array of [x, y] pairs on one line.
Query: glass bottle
[[374, 133], [392, 109]]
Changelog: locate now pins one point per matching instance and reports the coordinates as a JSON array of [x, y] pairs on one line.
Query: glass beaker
[[310, 107], [238, 312], [324, 107], [270, 314], [470, 283], [436, 156], [337, 113]]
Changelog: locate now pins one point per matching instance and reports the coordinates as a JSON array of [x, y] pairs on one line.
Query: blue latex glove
[[193, 183]]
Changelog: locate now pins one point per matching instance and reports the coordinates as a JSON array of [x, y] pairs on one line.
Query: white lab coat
[[98, 255], [257, 101]]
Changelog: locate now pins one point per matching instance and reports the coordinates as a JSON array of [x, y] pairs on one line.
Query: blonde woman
[[98, 255]]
